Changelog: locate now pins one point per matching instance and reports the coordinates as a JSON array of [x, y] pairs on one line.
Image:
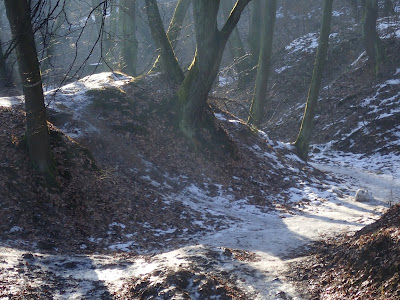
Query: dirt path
[[251, 252], [244, 252]]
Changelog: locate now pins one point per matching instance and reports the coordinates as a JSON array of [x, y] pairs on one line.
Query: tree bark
[[51, 39], [6, 79], [171, 66], [372, 42], [257, 110], [354, 10], [102, 34], [127, 16], [254, 39], [388, 9], [304, 138], [175, 26], [193, 92], [236, 48], [174, 29], [18, 14]]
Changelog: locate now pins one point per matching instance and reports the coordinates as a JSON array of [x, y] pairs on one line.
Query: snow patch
[[220, 116], [337, 13], [388, 27], [280, 70], [15, 229], [11, 101], [306, 43], [223, 81]]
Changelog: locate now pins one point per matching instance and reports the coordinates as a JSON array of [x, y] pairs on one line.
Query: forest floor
[[137, 212]]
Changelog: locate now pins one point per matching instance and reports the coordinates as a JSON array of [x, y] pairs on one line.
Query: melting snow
[[223, 81], [325, 209], [306, 43], [15, 229], [280, 70], [11, 101], [388, 27], [337, 13]]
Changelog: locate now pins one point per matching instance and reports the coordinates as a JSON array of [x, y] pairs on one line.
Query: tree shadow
[[38, 275]]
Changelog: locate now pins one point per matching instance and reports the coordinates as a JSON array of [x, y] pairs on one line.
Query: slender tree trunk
[[175, 26], [6, 73], [97, 15], [52, 39], [193, 93], [127, 15], [254, 39], [354, 10], [114, 48], [388, 9], [171, 66], [304, 138], [102, 34], [174, 29], [257, 110], [6, 79], [372, 43], [18, 14], [236, 48]]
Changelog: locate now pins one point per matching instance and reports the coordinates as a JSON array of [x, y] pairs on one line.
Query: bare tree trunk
[[175, 26], [304, 138], [127, 16], [254, 39], [171, 66], [50, 40], [114, 47], [102, 33], [354, 10], [257, 110], [388, 9], [195, 112], [174, 29], [18, 14], [6, 79], [236, 48], [372, 42]]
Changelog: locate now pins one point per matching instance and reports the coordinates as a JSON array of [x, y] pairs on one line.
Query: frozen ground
[[273, 238], [269, 240]]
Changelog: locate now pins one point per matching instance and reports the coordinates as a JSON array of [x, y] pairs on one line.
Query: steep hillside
[[357, 110], [137, 211]]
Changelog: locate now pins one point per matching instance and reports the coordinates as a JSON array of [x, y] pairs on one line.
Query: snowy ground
[[271, 239], [274, 238]]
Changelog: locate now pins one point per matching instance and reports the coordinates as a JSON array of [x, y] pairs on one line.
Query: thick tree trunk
[[18, 14], [304, 138], [174, 29], [236, 48], [197, 84], [127, 16], [195, 88], [170, 63], [372, 43], [257, 110]]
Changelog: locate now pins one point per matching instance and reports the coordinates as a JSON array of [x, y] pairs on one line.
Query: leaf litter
[[138, 214]]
